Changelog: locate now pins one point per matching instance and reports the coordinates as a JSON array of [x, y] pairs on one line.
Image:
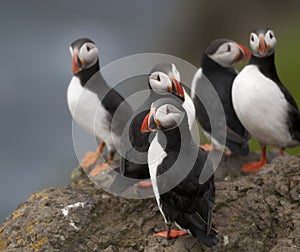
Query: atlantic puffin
[[92, 102], [163, 80], [156, 151], [217, 70], [262, 103], [188, 204]]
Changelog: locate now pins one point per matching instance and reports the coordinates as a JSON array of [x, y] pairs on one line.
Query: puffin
[[261, 101], [93, 103], [156, 151], [217, 70], [163, 81], [187, 203]]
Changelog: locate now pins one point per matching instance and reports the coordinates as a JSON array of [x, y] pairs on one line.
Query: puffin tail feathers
[[210, 240], [298, 127], [202, 230], [294, 123]]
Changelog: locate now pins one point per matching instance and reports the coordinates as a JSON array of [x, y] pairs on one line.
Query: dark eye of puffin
[[167, 110], [158, 78], [88, 48], [228, 48], [271, 35], [252, 38]]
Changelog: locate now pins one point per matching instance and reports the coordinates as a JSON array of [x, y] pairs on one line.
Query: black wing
[[189, 197], [190, 204], [237, 137], [140, 143], [133, 165]]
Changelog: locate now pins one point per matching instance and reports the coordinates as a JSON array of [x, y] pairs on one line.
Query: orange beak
[[75, 64], [177, 88], [149, 123], [262, 45], [145, 124], [245, 51]]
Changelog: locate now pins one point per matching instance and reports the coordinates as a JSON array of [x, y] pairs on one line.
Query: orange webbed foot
[[207, 147], [256, 166], [253, 166], [90, 158], [144, 184], [99, 168], [172, 234], [227, 153]]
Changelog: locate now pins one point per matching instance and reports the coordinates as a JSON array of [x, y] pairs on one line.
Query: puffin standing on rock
[[262, 103], [217, 71], [163, 81], [93, 103], [188, 204]]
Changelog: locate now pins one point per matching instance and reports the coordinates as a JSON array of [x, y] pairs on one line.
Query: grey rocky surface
[[256, 212]]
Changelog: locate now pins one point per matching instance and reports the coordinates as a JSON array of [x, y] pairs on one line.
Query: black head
[[164, 79], [262, 42], [225, 52], [165, 114], [84, 53]]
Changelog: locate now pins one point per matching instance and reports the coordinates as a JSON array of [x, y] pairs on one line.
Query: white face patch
[[254, 44], [270, 40], [226, 54], [88, 54], [160, 82], [169, 116]]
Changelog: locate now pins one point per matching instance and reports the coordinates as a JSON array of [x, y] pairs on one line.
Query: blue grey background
[[36, 148]]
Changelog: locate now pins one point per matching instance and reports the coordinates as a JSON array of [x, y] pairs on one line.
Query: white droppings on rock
[[65, 212], [226, 239], [104, 196]]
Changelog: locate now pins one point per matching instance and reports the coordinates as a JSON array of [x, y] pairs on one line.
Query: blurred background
[[36, 149]]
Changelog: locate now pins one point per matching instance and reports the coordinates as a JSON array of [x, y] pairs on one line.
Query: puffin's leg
[[255, 166], [110, 157], [169, 234], [281, 152], [207, 147], [227, 152], [102, 167], [145, 184], [91, 157], [210, 147]]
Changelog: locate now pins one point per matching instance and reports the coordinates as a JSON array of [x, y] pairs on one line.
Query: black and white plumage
[[92, 102], [163, 87], [164, 80], [156, 151], [188, 204], [218, 71], [263, 104]]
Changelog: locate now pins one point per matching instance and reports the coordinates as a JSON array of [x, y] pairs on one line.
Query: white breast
[[189, 107], [156, 154], [261, 107], [88, 112]]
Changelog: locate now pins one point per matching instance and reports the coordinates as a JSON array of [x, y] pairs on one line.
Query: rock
[[257, 212]]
